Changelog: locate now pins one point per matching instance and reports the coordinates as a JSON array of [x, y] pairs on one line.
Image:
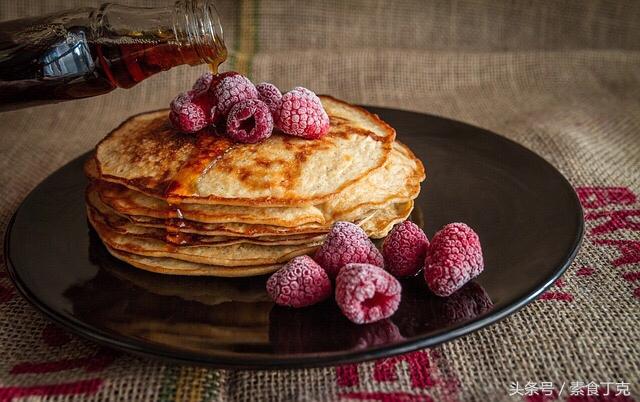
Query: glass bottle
[[91, 51]]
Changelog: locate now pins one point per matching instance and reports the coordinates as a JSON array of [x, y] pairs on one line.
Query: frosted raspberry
[[301, 282], [301, 114], [215, 79], [203, 83], [453, 259], [366, 293], [346, 243], [249, 121], [270, 94], [189, 111], [404, 249], [229, 90]]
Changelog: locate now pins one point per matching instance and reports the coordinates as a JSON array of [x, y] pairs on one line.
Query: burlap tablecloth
[[561, 78]]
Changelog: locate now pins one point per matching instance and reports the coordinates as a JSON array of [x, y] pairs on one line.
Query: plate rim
[[291, 361]]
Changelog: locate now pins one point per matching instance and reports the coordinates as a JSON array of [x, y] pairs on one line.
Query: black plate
[[526, 213]]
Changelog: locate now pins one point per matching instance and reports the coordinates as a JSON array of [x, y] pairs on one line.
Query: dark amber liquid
[[54, 66]]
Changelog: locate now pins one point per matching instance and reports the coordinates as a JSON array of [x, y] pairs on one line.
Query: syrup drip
[[208, 149], [172, 227]]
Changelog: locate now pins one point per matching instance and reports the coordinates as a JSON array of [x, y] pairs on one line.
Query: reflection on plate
[[204, 314]]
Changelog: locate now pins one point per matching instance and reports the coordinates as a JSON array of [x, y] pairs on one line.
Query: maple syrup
[[87, 52]]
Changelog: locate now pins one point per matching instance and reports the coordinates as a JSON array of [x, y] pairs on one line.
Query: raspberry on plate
[[270, 94], [190, 111], [346, 243], [404, 249], [249, 121], [300, 282], [229, 90], [453, 259], [366, 293], [215, 80], [301, 114], [203, 83]]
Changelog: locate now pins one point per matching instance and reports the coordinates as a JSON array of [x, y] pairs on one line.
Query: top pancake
[[146, 154]]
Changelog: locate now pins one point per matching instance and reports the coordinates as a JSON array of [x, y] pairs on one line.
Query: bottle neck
[[137, 42], [196, 24]]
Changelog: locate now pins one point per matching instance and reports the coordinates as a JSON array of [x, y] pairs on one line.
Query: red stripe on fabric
[[347, 375], [560, 296], [631, 276], [629, 250], [585, 271], [69, 388], [598, 197], [419, 369], [615, 220]]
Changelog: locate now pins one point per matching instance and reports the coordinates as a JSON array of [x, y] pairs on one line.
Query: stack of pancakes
[[200, 204]]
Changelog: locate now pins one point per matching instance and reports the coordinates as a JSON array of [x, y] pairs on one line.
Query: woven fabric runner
[[561, 78]]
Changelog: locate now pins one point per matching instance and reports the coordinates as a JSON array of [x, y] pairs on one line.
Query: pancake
[[146, 154], [131, 202], [381, 223], [224, 230], [218, 229], [229, 229], [123, 226], [398, 179], [236, 254], [229, 256], [172, 266]]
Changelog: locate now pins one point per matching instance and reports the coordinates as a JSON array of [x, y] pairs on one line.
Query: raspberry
[[404, 249], [203, 83], [189, 111], [453, 259], [270, 94], [346, 243], [366, 293], [301, 114], [215, 79], [249, 121], [301, 282], [229, 90]]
